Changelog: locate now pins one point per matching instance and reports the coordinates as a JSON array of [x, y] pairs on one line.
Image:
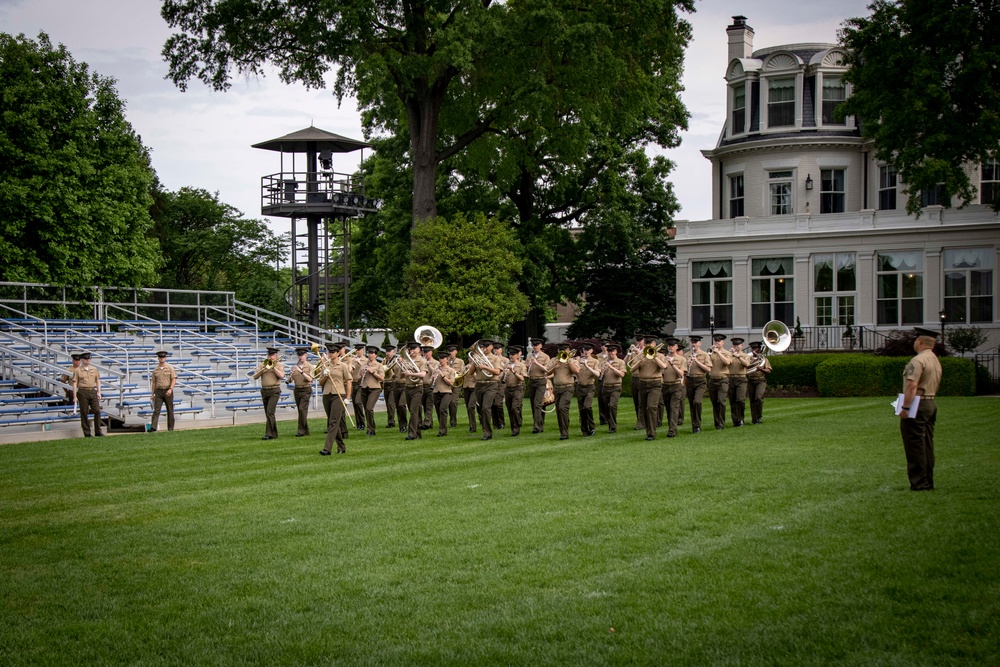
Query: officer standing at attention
[[270, 390], [514, 388], [587, 371], [163, 379], [537, 381], [301, 376], [699, 365], [921, 378], [87, 391], [718, 380], [372, 376], [444, 386], [611, 384], [335, 382], [738, 382]]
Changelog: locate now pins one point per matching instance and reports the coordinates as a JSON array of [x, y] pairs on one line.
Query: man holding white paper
[[921, 379]]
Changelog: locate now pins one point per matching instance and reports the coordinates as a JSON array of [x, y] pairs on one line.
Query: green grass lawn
[[794, 542]]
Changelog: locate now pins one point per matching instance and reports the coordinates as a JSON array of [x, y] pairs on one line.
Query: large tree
[[209, 245], [75, 179], [447, 72], [927, 89]]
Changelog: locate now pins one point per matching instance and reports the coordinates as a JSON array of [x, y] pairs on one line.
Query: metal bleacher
[[214, 341]]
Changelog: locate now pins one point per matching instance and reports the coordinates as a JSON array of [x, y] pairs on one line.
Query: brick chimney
[[740, 38]]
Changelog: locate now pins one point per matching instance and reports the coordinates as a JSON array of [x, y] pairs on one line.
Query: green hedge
[[795, 370], [866, 375]]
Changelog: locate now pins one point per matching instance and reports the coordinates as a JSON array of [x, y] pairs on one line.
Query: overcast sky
[[202, 138]]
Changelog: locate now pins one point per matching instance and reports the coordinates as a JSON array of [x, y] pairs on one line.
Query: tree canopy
[[75, 179], [927, 89]]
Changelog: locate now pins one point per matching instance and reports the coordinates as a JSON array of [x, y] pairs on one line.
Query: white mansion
[[807, 224]]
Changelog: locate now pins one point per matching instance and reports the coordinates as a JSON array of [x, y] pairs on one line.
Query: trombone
[[265, 365]]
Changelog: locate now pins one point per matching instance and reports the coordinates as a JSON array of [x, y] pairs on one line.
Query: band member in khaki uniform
[[499, 422], [587, 370], [649, 372], [357, 361], [611, 386], [469, 393], [681, 353], [698, 368], [602, 357], [163, 379], [563, 386], [630, 360], [427, 405], [672, 394], [270, 391], [487, 386], [301, 377], [389, 388], [372, 375], [86, 383], [513, 387], [67, 377], [414, 369], [458, 365], [537, 380], [444, 391], [757, 374], [921, 378], [336, 381], [738, 381], [718, 380]]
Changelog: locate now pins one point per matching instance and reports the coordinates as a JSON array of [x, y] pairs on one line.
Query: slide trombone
[[265, 365]]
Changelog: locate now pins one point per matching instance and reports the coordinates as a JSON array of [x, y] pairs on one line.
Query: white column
[[683, 289], [864, 309], [803, 309], [741, 293], [933, 293]]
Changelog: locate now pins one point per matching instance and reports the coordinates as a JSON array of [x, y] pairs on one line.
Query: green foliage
[[74, 177], [927, 89], [866, 375], [209, 245], [985, 383], [462, 278], [965, 339], [795, 370], [899, 343]]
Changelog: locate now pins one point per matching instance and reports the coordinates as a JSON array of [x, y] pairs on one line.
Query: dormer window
[[739, 108], [781, 102], [834, 92]]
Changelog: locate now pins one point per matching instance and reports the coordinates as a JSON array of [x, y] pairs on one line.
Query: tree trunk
[[423, 114]]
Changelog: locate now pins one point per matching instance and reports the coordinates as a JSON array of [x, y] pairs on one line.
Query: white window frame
[[714, 307], [989, 168], [901, 274], [894, 188], [742, 198], [785, 278], [779, 180], [842, 193], [743, 84], [986, 257], [842, 301]]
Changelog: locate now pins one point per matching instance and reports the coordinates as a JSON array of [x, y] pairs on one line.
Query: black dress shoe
[[402, 429], [472, 430], [323, 452], [301, 435], [564, 437], [266, 437], [341, 451], [535, 430], [719, 428], [99, 434], [639, 428], [604, 422], [514, 435], [487, 437], [671, 435], [441, 435], [592, 432], [152, 430], [87, 435], [612, 430], [410, 437], [696, 430], [649, 437]]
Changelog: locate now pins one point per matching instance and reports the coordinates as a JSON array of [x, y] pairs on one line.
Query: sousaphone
[[776, 336]]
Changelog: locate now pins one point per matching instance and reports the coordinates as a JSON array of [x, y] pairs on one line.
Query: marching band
[[416, 385]]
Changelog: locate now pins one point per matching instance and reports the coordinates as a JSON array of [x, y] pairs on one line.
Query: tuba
[[776, 336], [428, 335]]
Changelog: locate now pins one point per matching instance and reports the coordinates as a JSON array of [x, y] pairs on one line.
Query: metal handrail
[[138, 316], [45, 325], [102, 342]]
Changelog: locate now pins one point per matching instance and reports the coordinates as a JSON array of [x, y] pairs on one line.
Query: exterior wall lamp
[[809, 182]]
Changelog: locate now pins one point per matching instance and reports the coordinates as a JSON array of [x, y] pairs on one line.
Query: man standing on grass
[[163, 379], [921, 378]]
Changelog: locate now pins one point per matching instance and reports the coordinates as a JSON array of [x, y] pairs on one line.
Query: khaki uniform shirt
[[494, 375], [421, 365], [536, 371], [371, 382], [444, 372], [738, 367], [925, 370], [457, 364], [589, 370], [356, 365], [720, 363], [762, 365], [648, 369], [335, 381], [302, 374], [517, 369], [469, 381], [432, 365], [67, 375], [163, 377], [611, 379], [674, 372], [268, 376], [694, 370], [562, 374], [86, 378], [391, 372]]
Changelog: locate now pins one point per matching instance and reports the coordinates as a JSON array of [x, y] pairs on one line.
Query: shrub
[[899, 343], [798, 370], [866, 375], [965, 339]]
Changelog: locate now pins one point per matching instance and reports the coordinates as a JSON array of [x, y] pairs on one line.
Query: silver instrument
[[776, 336]]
